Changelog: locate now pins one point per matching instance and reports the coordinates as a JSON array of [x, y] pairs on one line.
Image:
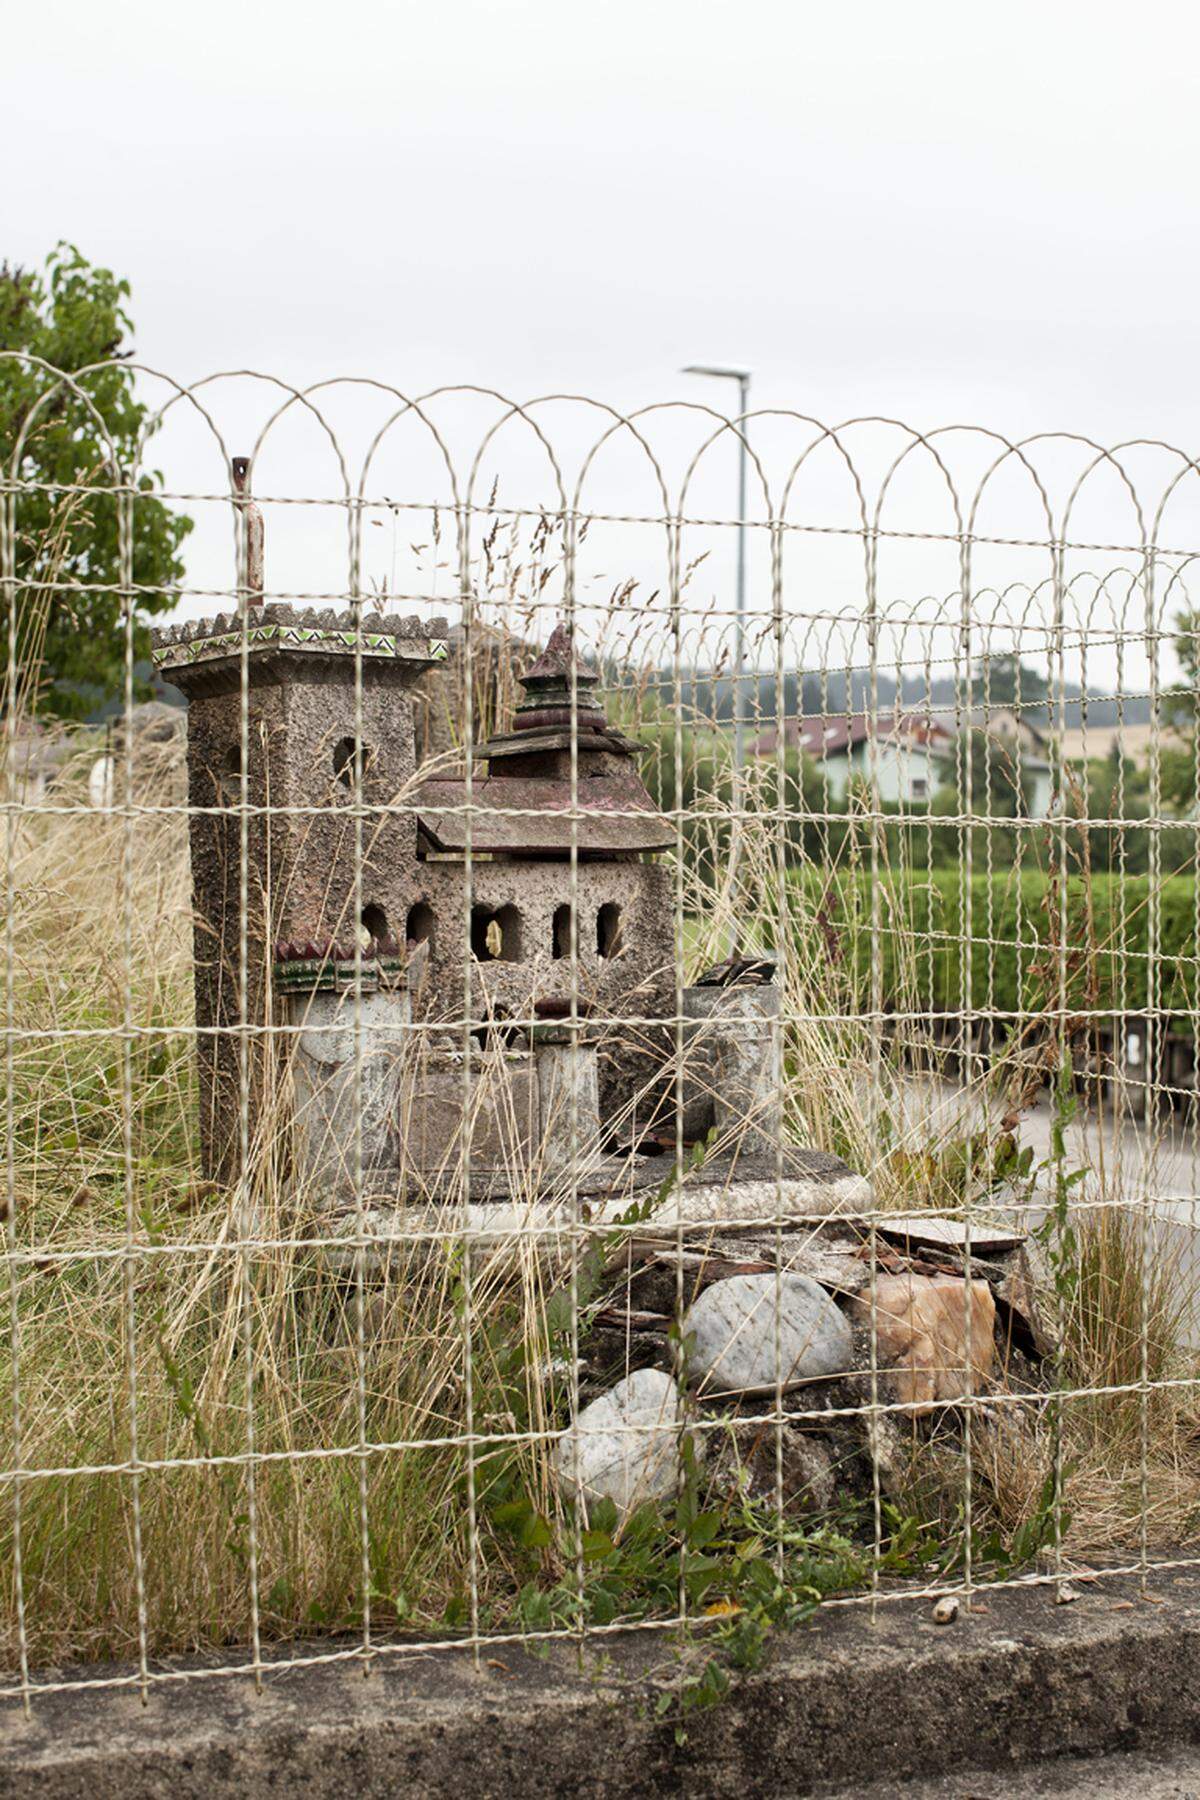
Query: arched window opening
[[375, 923], [346, 755], [496, 934], [509, 921], [608, 929], [418, 927], [561, 931], [228, 777]]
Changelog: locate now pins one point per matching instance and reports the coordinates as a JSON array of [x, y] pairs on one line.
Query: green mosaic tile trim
[[325, 640]]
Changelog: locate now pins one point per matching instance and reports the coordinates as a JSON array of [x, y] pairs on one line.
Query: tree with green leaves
[[1007, 681], [70, 608]]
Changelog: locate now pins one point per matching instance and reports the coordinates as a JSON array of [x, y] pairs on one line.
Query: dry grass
[[1129, 1456], [196, 1342], [82, 1193]]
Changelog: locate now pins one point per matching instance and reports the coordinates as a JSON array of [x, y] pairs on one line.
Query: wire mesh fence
[[546, 1101]]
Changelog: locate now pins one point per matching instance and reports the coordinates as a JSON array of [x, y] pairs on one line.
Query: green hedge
[[932, 921]]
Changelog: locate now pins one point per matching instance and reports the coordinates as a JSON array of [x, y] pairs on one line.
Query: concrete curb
[[841, 1703]]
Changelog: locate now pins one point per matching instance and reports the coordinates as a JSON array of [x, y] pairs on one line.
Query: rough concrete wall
[[316, 898], [214, 736], [300, 868], [847, 1699], [637, 981]]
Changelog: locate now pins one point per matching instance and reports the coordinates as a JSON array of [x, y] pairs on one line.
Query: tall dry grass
[[104, 1158], [194, 1343]]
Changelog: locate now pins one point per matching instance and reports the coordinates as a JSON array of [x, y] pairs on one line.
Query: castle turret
[[303, 739], [538, 843]]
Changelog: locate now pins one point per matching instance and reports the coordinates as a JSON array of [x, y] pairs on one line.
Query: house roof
[[837, 734], [525, 804]]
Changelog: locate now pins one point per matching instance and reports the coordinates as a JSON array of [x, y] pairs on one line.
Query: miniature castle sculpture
[[539, 845], [505, 894]]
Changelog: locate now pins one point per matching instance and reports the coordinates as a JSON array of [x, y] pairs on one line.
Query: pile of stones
[[786, 1314]]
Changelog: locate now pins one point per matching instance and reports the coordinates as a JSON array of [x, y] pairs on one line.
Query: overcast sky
[[941, 211], [987, 209]]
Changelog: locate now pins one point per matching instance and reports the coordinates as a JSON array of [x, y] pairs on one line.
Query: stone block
[[568, 1099], [753, 1333], [342, 1055], [733, 1065], [490, 1112], [936, 1332]]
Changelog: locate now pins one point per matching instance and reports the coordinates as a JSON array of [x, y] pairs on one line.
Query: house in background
[[910, 750], [913, 751], [1025, 745]]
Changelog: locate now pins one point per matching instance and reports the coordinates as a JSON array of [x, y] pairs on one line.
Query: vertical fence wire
[[8, 570], [125, 539], [245, 1049], [953, 956], [467, 599], [357, 926]]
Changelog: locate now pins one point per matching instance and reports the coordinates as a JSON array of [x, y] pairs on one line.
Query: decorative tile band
[[310, 638], [312, 975]]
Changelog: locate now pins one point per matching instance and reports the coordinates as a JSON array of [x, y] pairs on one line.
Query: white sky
[[935, 211]]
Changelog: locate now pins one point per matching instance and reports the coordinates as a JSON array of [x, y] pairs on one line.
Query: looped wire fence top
[[538, 1103]]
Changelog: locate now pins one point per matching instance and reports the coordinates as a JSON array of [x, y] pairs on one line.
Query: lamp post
[[742, 377]]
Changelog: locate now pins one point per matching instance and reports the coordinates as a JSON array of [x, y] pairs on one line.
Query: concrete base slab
[[1172, 1774], [842, 1704]]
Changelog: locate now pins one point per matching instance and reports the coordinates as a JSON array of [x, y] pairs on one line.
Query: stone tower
[[302, 751]]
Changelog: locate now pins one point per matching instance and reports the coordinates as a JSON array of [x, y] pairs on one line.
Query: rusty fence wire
[[540, 1102]]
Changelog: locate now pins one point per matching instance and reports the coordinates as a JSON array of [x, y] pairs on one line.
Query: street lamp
[[742, 377]]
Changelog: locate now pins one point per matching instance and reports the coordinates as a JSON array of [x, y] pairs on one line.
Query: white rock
[[736, 1345], [624, 1447]]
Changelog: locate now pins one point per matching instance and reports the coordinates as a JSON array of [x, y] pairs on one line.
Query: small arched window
[[346, 754], [375, 922], [560, 931], [608, 929], [496, 934], [227, 777], [419, 926]]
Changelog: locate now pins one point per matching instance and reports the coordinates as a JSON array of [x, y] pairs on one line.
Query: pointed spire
[[556, 661], [548, 687]]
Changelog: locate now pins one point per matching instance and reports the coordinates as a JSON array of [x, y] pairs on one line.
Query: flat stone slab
[[740, 1202], [936, 1233], [604, 1197], [842, 1702]]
